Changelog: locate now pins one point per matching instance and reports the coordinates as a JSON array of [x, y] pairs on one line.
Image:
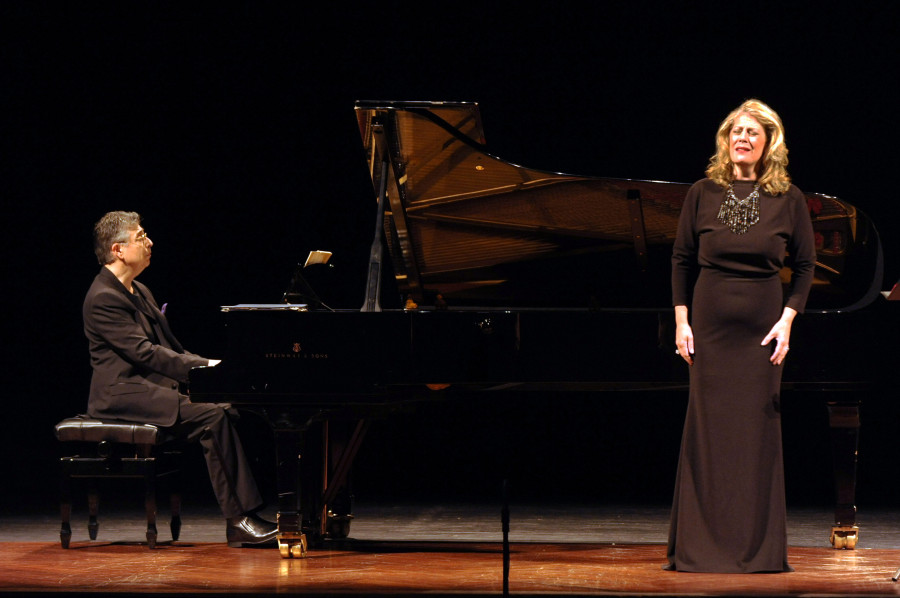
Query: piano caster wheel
[[292, 545], [844, 536], [337, 527]]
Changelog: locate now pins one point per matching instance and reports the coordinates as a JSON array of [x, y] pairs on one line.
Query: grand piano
[[510, 280]]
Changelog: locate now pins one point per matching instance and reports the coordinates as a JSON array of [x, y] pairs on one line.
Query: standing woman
[[733, 326]]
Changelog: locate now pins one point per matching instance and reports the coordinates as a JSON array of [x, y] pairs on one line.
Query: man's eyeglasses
[[141, 238]]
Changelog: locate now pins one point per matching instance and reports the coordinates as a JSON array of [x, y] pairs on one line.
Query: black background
[[231, 130]]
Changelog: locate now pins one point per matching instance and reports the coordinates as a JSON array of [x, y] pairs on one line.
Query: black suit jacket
[[137, 361]]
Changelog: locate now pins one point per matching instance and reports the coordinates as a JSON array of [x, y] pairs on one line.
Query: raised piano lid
[[477, 230]]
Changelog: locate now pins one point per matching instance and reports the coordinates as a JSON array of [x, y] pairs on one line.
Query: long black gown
[[728, 512]]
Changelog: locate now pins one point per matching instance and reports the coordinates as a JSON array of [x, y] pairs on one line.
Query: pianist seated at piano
[[735, 231], [140, 371]]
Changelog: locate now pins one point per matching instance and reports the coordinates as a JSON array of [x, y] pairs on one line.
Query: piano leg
[[843, 420], [288, 447], [314, 454]]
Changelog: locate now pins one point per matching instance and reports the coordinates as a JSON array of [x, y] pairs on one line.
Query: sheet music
[[317, 257]]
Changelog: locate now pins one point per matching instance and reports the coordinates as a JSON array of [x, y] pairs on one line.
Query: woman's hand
[[684, 336], [781, 334]]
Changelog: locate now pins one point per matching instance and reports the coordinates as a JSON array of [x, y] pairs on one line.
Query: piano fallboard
[[351, 357]]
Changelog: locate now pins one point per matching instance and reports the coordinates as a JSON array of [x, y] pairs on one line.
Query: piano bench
[[111, 449]]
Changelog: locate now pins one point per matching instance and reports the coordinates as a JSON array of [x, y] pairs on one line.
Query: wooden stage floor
[[416, 550]]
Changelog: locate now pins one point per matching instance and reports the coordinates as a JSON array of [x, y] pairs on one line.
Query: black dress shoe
[[250, 530]]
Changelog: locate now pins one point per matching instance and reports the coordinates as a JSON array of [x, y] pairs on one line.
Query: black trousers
[[229, 471]]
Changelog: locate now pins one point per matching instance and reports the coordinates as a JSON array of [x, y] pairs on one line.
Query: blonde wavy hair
[[772, 173]]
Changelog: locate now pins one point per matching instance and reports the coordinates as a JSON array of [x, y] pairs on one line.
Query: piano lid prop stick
[[373, 280]]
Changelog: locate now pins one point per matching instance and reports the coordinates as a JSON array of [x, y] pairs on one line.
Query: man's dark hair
[[114, 227]]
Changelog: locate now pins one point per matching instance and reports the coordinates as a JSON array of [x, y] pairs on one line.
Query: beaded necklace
[[739, 214]]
